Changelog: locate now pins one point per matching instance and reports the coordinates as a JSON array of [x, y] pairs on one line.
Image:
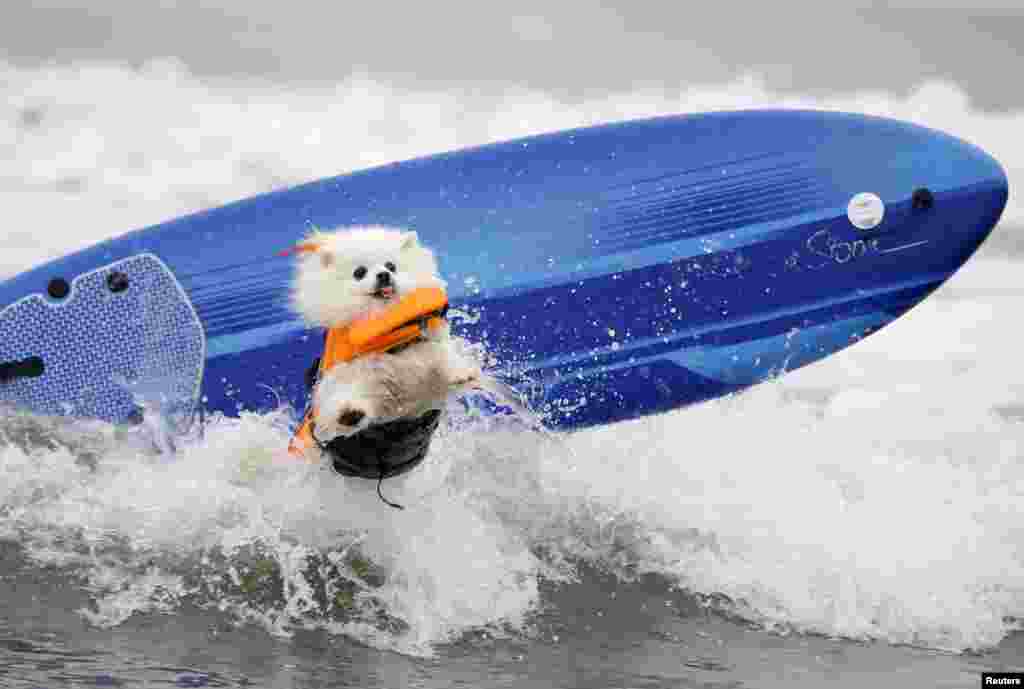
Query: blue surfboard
[[612, 271]]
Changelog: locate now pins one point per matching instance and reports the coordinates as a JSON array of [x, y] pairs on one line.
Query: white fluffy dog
[[358, 272]]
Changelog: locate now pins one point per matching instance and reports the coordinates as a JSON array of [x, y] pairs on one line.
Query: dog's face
[[353, 273]]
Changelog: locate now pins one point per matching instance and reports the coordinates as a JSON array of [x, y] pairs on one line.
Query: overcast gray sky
[[571, 48]]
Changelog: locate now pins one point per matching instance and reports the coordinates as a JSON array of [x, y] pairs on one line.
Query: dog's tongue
[[386, 291]]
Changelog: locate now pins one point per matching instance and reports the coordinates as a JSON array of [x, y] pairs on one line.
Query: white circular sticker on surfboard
[[865, 210]]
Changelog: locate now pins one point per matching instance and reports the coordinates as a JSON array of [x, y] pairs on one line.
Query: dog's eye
[[390, 266], [359, 273]]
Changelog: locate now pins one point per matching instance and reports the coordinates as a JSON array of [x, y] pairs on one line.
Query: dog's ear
[[409, 240], [315, 244], [308, 246]]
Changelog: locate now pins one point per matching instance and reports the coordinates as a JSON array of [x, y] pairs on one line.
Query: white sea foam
[[875, 494]]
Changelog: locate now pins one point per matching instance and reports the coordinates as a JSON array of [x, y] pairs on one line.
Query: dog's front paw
[[346, 421], [350, 417]]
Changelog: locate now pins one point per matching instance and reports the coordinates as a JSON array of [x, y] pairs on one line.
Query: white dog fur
[[378, 387]]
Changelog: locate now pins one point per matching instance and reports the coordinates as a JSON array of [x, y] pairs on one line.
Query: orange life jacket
[[407, 320]]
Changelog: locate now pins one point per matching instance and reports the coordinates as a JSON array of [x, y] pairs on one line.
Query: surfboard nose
[[993, 194], [971, 208], [938, 198]]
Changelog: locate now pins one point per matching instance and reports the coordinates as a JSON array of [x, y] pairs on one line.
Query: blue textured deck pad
[[104, 350]]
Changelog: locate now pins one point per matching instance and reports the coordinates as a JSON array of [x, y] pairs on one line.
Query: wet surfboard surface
[[611, 272]]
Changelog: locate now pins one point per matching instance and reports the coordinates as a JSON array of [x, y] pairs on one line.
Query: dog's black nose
[[384, 279]]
